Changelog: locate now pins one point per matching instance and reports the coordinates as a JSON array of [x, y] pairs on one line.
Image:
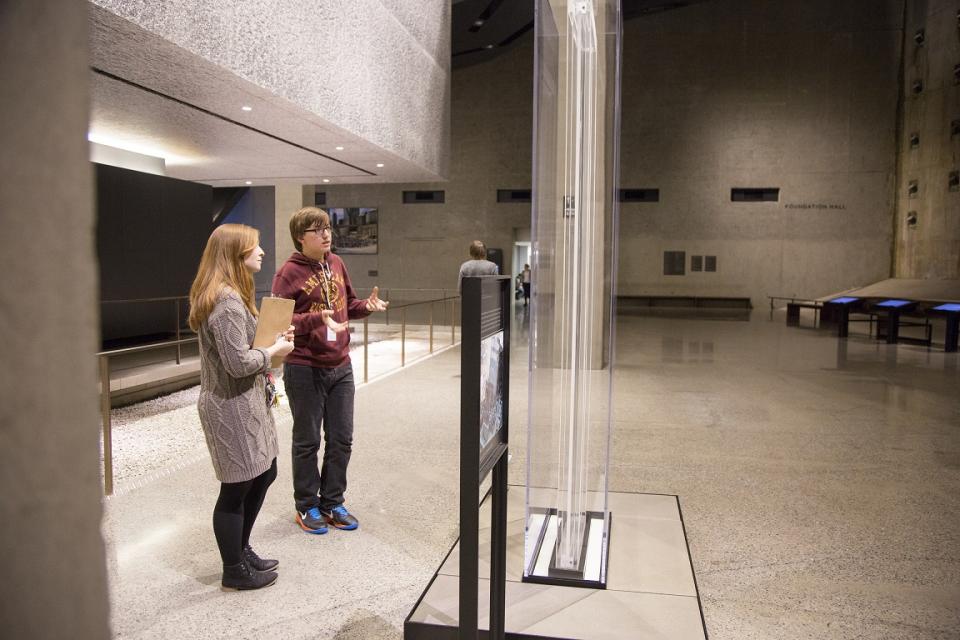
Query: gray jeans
[[321, 401]]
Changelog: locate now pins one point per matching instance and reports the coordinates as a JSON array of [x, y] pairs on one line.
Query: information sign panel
[[484, 435]]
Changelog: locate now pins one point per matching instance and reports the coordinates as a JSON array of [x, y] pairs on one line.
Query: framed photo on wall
[[354, 229]]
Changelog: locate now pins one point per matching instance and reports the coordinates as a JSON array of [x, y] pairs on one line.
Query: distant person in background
[[477, 265], [525, 281], [233, 405]]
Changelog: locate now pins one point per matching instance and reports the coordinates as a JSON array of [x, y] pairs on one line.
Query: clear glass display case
[[574, 257]]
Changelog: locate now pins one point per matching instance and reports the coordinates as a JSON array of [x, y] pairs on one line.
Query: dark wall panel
[[151, 231]]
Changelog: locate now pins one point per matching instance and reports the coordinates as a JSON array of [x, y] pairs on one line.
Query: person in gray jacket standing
[[477, 265], [233, 405]]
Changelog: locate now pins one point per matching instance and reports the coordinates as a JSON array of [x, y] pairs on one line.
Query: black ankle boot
[[242, 577], [258, 563]]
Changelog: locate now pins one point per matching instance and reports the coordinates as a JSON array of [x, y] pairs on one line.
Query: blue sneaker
[[311, 521], [340, 518]]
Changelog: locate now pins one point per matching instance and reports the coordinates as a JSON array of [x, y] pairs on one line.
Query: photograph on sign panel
[[491, 387]]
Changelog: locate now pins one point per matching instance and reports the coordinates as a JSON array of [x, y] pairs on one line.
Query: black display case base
[[592, 573]]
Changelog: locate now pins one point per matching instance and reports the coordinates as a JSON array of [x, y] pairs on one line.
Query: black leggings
[[236, 511]]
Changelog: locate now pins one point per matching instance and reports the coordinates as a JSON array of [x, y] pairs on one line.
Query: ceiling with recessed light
[[153, 97]]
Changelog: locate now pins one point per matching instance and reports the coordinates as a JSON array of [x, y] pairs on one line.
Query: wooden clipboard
[[275, 317]]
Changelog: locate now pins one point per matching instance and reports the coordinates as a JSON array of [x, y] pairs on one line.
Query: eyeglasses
[[319, 230]]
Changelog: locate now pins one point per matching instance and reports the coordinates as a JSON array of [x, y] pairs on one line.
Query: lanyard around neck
[[326, 274]]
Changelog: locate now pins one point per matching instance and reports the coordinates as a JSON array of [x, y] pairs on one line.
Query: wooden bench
[[698, 302], [686, 306]]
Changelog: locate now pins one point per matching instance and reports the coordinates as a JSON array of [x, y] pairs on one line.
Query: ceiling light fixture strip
[[131, 83]]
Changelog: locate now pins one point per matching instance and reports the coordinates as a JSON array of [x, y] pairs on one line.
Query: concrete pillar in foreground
[[54, 576]]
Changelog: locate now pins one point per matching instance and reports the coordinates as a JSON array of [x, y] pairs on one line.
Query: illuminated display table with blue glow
[[840, 313], [892, 309], [952, 311]]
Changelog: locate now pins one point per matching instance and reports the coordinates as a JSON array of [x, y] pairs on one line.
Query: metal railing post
[[105, 417], [366, 343], [431, 327], [403, 336], [177, 304]]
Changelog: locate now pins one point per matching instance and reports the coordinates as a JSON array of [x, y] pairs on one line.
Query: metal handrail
[[403, 328], [163, 299], [387, 293], [145, 347], [413, 304], [790, 299], [175, 299], [796, 298], [105, 355]]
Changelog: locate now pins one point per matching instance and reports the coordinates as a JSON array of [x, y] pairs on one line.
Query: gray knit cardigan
[[236, 420]]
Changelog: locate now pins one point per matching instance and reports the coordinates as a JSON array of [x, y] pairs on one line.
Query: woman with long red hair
[[233, 405]]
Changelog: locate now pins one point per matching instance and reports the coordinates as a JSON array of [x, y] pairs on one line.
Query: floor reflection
[[679, 350], [520, 330]]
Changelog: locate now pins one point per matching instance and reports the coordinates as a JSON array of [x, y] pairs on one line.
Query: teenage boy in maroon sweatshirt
[[317, 374]]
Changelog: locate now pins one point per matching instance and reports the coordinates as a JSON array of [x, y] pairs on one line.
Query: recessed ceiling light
[[248, 182], [246, 108], [379, 164], [478, 23], [339, 148], [489, 46], [326, 179]]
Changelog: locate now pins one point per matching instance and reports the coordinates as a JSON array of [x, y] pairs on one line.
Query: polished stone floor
[[820, 480], [820, 484]]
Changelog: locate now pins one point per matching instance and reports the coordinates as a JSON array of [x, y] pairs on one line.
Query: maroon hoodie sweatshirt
[[315, 286]]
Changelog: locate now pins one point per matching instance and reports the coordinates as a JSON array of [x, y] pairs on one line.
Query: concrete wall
[[376, 68], [931, 247], [54, 575], [288, 198], [747, 93], [423, 245], [730, 93]]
